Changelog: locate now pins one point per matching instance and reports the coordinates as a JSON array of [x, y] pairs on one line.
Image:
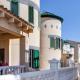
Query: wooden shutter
[[36, 59], [14, 7], [31, 14], [52, 42], [62, 43], [57, 43]]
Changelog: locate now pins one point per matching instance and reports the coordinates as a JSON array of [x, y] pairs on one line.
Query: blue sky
[[69, 10]]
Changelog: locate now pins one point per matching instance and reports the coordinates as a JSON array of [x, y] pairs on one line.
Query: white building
[[28, 10], [68, 54], [50, 39]]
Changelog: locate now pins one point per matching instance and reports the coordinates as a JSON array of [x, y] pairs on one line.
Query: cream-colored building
[[76, 46], [50, 39], [67, 53], [28, 11]]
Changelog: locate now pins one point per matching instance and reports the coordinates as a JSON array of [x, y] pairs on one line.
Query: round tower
[[50, 39]]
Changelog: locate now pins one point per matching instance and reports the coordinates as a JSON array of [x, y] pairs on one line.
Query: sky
[[69, 10]]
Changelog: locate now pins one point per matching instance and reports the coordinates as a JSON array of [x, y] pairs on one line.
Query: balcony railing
[[12, 69]]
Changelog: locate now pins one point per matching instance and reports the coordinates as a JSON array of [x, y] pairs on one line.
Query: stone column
[[22, 50], [17, 51]]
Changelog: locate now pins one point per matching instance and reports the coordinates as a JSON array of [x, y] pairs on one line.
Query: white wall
[[66, 48], [34, 38], [14, 52], [72, 52], [79, 54]]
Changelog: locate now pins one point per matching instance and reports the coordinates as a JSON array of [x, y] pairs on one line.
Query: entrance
[[2, 55]]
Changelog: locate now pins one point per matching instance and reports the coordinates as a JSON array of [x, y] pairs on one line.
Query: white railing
[[12, 69], [60, 74]]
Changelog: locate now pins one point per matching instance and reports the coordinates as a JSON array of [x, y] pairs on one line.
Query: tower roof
[[51, 15]]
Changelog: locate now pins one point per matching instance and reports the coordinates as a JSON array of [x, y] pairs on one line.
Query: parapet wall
[[61, 74]]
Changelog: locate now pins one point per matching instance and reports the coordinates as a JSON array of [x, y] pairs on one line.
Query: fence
[[12, 70]]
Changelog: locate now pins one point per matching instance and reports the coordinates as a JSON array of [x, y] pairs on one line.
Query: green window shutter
[[57, 43], [36, 53], [36, 59], [14, 0], [62, 43], [52, 42], [31, 14], [14, 7], [34, 64]]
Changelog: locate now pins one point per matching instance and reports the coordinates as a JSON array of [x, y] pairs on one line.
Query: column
[[17, 51]]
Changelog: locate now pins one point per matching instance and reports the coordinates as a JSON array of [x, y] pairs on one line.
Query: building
[[71, 51], [50, 39], [28, 11], [67, 57], [76, 46]]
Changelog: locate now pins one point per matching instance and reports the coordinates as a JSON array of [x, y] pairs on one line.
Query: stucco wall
[[47, 53]]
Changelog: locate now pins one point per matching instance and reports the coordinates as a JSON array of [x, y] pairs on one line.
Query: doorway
[[2, 54]]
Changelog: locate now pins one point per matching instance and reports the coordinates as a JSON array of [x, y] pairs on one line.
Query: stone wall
[[60, 74]]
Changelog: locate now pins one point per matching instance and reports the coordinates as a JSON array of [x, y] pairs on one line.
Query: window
[[45, 25], [14, 7], [31, 14], [57, 43], [52, 42], [34, 58], [51, 26]]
